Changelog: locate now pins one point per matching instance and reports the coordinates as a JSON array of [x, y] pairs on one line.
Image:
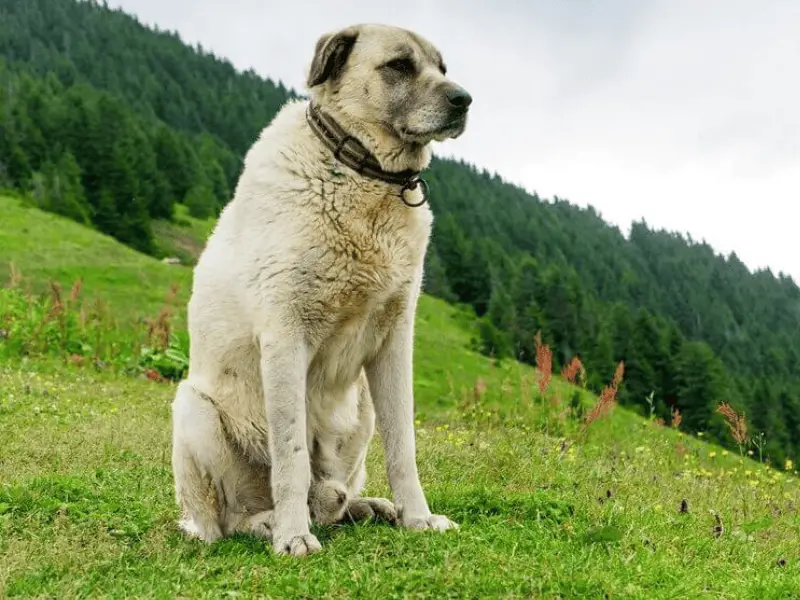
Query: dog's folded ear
[[331, 55]]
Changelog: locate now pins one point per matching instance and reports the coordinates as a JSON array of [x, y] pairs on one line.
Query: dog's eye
[[401, 65]]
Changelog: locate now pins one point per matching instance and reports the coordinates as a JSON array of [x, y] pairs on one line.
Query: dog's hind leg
[[206, 467]]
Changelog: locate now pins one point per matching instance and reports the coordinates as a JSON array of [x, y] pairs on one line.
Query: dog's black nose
[[459, 98]]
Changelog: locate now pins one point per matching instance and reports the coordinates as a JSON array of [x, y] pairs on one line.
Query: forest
[[112, 124]]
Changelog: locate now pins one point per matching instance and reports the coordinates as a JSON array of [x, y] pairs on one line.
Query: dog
[[301, 316]]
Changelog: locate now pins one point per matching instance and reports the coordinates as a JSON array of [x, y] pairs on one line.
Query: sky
[[683, 113]]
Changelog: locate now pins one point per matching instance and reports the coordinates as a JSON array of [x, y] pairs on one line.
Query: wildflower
[[607, 398], [544, 364], [724, 453], [712, 454], [789, 465], [736, 422], [750, 453], [571, 371], [479, 389], [676, 418]]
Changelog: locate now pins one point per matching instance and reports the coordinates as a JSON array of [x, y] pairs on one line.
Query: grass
[[548, 508], [44, 247], [184, 237]]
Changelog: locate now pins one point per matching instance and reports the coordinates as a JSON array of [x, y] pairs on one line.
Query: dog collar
[[352, 153]]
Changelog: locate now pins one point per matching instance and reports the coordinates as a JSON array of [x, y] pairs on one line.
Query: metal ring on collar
[[412, 185]]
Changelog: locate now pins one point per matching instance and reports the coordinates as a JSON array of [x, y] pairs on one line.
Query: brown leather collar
[[352, 153]]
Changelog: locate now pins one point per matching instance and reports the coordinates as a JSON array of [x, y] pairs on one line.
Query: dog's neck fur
[[392, 153]]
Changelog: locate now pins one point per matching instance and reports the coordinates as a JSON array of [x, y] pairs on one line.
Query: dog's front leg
[[391, 385], [284, 364]]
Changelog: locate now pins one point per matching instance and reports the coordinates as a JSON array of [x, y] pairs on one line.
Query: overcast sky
[[683, 112]]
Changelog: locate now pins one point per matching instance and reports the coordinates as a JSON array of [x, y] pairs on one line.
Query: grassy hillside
[[548, 507], [44, 247], [184, 236], [116, 124], [86, 510]]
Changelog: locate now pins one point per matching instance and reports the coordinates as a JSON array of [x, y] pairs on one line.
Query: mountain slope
[[623, 508], [693, 328], [43, 247]]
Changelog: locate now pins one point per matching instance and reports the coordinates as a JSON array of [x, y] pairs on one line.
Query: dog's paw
[[361, 509], [327, 502], [261, 525], [298, 545], [435, 522]]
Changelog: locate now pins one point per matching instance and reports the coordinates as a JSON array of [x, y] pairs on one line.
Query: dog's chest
[[370, 249], [365, 272]]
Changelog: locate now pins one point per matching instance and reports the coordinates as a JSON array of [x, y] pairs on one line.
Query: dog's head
[[388, 78]]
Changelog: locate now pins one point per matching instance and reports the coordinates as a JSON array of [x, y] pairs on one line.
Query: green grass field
[[43, 247], [623, 509]]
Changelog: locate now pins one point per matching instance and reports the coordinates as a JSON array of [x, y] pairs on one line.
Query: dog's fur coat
[[302, 310]]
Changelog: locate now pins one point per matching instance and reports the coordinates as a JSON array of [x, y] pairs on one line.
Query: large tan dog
[[302, 312]]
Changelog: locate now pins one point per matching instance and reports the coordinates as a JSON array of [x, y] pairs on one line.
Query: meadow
[[558, 493]]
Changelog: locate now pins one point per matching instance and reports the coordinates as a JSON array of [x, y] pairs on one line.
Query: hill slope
[[114, 124], [44, 247], [621, 509]]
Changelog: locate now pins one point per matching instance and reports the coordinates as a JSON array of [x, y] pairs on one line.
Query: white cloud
[[681, 112]]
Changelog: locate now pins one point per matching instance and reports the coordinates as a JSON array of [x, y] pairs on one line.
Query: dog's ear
[[330, 55]]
